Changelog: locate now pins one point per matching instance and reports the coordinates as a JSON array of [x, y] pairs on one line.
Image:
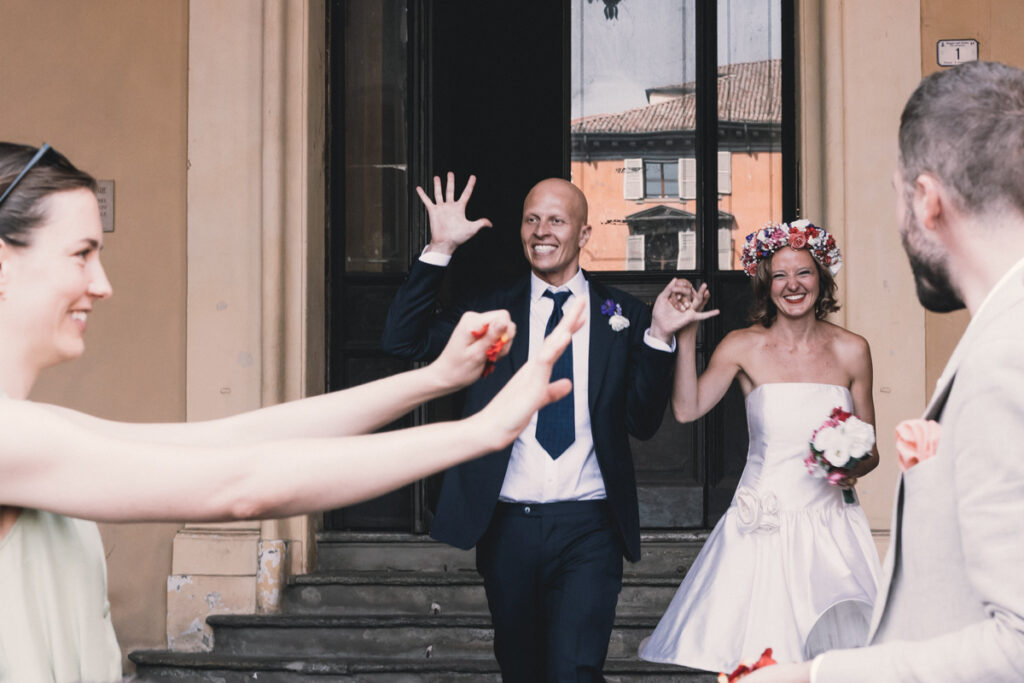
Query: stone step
[[456, 593], [396, 636], [162, 667], [663, 553]]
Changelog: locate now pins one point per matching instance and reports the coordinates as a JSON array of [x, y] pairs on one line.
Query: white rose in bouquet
[[859, 437], [849, 440]]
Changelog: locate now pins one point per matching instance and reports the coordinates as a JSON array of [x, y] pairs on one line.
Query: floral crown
[[799, 235]]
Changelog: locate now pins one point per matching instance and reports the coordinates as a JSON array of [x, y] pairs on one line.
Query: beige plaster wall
[[859, 62], [997, 26], [106, 84]]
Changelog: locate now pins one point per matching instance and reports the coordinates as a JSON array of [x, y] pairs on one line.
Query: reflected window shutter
[[633, 179], [687, 258], [724, 173], [724, 249], [635, 252], [687, 178]]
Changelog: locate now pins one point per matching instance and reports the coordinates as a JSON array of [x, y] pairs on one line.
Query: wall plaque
[[953, 52], [105, 197]]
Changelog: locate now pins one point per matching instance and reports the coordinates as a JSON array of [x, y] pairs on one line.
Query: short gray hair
[[965, 126]]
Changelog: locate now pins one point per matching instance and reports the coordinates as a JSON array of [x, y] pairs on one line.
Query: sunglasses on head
[[28, 167]]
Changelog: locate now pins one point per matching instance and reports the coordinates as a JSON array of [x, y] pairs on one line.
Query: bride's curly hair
[[762, 309]]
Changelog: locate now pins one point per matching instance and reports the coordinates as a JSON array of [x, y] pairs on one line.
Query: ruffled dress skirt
[[789, 566]]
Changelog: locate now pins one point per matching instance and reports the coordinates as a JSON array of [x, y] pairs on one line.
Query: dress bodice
[[56, 625], [781, 418]]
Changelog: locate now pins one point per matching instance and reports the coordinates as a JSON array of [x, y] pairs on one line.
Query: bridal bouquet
[[744, 669], [837, 445]]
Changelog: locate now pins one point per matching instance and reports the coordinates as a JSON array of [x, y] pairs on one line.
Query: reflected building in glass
[[638, 170]]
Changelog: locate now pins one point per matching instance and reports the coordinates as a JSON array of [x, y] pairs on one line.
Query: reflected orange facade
[[637, 170], [756, 199]]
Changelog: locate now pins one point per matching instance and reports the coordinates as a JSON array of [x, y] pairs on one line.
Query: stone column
[[255, 273]]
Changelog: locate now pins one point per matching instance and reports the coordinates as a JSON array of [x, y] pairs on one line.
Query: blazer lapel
[[519, 310], [943, 386], [932, 412], [600, 343]]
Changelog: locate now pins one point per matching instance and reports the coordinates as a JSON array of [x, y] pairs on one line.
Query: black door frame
[[450, 129]]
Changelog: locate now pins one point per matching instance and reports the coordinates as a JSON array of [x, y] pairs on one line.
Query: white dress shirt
[[533, 476]]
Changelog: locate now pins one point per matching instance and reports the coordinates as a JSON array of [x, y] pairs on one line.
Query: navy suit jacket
[[629, 386]]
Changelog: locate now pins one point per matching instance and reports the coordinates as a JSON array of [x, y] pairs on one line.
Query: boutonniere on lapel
[[616, 320], [916, 441]]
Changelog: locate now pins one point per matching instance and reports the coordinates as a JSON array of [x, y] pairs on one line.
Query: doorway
[[506, 91]]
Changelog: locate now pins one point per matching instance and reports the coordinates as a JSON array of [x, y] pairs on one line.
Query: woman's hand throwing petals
[[531, 388], [477, 342]]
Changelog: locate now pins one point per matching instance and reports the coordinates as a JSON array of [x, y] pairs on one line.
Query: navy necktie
[[556, 422]]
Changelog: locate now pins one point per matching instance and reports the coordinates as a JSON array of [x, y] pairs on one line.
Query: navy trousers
[[552, 573]]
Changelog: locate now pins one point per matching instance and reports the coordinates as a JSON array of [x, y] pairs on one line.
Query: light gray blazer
[[951, 603]]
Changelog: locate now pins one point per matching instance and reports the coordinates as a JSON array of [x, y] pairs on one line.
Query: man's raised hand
[[449, 227]]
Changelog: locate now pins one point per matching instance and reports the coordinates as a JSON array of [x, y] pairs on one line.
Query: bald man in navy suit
[[553, 515]]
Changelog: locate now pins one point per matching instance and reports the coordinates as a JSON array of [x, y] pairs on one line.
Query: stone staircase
[[400, 608]]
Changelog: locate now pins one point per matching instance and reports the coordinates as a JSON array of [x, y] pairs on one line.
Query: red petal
[[477, 334], [766, 659]]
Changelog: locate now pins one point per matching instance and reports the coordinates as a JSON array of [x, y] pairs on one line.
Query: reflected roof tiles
[[750, 92]]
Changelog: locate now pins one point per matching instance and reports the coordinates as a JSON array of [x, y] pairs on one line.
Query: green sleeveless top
[[54, 614]]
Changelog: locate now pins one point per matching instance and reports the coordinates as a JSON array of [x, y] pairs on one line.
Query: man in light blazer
[[951, 606], [553, 515]]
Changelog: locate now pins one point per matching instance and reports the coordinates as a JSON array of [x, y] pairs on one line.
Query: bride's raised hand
[[531, 388], [679, 306]]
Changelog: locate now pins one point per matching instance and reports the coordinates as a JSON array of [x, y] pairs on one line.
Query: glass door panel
[[375, 124], [632, 133], [749, 122]]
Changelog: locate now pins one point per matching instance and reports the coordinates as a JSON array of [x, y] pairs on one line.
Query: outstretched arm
[[357, 410], [693, 397], [51, 462]]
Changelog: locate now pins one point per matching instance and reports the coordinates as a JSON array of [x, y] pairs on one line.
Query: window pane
[[671, 172], [652, 180], [632, 98], [749, 122], [376, 180]]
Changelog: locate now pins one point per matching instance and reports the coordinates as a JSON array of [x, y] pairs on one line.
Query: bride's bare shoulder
[[851, 349], [746, 338], [846, 341]]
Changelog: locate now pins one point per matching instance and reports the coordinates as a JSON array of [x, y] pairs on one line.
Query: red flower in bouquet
[[837, 445], [744, 669]]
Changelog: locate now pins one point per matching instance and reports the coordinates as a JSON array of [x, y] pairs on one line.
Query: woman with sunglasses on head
[[61, 470], [791, 565]]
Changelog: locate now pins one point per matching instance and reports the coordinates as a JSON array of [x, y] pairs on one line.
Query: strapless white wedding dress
[[789, 566]]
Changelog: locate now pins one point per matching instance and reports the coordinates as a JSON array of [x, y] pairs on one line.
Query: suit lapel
[[1008, 297], [519, 310], [600, 343]]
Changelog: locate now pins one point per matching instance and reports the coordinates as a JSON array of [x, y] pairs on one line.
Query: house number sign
[[953, 52]]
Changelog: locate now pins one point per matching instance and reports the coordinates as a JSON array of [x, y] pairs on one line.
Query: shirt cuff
[[815, 665], [435, 258], [656, 343]]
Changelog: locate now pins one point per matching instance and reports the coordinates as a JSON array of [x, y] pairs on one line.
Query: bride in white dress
[[790, 565]]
